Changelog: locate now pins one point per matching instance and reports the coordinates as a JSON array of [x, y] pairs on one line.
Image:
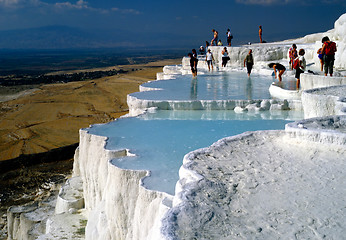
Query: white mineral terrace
[[264, 185], [273, 184]]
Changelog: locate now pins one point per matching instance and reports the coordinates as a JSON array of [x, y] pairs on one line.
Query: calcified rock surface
[[265, 185], [326, 101]]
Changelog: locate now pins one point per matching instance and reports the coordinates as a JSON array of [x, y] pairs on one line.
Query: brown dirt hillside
[[51, 117]]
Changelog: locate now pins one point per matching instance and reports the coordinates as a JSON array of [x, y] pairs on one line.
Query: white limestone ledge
[[65, 226], [278, 92], [327, 130], [29, 221], [70, 197], [310, 81], [315, 82], [264, 185], [17, 229], [119, 206], [138, 106], [326, 101]]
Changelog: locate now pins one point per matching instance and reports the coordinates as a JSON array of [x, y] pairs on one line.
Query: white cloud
[[80, 4], [10, 3], [61, 5], [130, 11], [14, 4]]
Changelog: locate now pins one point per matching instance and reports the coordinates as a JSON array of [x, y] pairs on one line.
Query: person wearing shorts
[[209, 58], [277, 66], [248, 61], [193, 64]]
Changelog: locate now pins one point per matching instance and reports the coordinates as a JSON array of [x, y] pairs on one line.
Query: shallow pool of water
[[161, 139], [216, 86]]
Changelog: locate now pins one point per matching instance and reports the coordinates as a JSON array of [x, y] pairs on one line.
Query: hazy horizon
[[41, 24]]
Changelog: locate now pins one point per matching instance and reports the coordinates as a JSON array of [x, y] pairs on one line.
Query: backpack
[[296, 63], [330, 48]]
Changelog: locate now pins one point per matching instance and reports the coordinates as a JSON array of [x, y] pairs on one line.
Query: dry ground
[[51, 117], [39, 125]]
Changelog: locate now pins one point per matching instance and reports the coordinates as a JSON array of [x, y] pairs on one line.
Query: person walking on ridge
[[260, 33], [229, 37], [215, 39]]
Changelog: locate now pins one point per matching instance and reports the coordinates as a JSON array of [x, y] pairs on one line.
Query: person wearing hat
[[209, 58], [201, 50]]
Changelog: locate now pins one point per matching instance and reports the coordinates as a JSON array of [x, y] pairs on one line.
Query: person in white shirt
[[209, 58], [229, 37], [225, 57], [301, 66]]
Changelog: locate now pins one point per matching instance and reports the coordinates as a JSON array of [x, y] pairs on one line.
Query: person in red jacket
[[328, 49]]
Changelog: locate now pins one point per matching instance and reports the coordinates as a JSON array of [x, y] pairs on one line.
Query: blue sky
[[178, 22]]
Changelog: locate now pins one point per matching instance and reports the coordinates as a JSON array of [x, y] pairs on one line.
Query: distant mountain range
[[63, 37]]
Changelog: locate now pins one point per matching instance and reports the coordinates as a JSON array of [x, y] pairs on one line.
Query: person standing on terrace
[[293, 54], [320, 56], [215, 39], [225, 57], [301, 66], [328, 49], [194, 53], [260, 33], [209, 58], [229, 37]]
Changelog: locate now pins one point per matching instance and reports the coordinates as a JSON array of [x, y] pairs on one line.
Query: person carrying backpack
[[328, 49]]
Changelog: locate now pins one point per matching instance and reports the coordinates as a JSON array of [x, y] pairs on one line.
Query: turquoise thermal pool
[[160, 140], [216, 86]]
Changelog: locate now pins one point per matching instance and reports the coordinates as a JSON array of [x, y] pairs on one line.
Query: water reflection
[[288, 84], [193, 89], [248, 88]]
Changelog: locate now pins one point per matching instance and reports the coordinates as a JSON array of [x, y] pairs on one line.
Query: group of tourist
[[297, 60], [217, 42], [327, 55]]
